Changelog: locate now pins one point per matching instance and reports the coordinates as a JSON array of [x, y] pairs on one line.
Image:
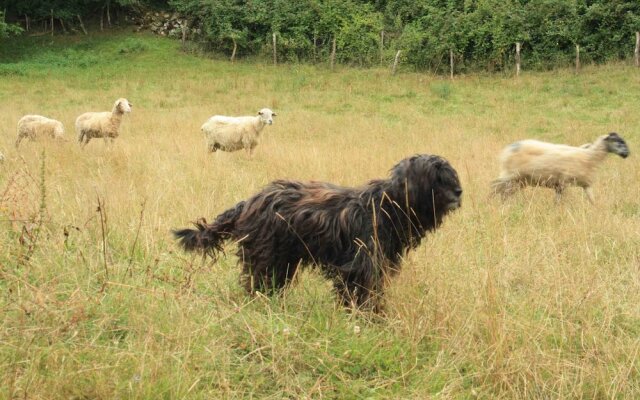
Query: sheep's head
[[266, 116], [615, 144], [122, 106]]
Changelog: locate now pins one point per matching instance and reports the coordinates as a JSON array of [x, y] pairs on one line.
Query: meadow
[[518, 299]]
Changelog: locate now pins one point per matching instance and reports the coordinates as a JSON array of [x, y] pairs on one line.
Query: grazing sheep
[[556, 166], [34, 126], [102, 124], [235, 133]]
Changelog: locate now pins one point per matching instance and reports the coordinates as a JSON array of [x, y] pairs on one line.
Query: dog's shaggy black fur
[[356, 235]]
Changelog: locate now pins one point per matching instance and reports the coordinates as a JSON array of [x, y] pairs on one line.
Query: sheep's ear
[[259, 112], [274, 114], [613, 135]]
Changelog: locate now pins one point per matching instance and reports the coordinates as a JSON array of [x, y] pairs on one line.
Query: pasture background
[[526, 299]]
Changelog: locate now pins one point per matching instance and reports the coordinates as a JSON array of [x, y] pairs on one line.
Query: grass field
[[522, 299]]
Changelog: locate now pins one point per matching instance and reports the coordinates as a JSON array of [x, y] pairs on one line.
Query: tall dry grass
[[523, 299]]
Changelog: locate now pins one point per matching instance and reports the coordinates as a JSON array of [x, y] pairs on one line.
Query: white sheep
[[536, 163], [235, 133], [102, 124], [35, 126]]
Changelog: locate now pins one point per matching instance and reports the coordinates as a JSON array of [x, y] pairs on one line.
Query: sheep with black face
[[556, 166]]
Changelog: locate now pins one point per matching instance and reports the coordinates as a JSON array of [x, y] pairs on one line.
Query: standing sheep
[[34, 126], [556, 166], [235, 133], [102, 124]]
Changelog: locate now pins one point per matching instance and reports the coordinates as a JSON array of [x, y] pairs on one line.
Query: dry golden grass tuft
[[522, 299]]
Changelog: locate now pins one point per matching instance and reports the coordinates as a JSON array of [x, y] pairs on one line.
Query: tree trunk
[[108, 15], [577, 58], [64, 29], [81, 24], [183, 28], [52, 23], [27, 24], [101, 19], [235, 47]]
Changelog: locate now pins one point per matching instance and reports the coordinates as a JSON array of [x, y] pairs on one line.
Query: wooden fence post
[[315, 46], [451, 63], [275, 56], [637, 50], [333, 52], [517, 58], [395, 63], [577, 58], [381, 46]]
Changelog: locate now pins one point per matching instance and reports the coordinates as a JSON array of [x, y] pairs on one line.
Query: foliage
[[303, 28], [7, 29], [480, 33]]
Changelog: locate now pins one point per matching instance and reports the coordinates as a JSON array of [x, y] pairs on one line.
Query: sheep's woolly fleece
[[33, 127], [104, 124], [235, 133], [557, 166]]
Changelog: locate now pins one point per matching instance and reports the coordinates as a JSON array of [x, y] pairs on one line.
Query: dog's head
[[429, 184]]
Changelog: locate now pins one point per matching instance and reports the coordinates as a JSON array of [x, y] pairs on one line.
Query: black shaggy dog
[[357, 236]]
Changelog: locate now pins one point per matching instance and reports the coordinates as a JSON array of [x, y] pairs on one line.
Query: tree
[[7, 29]]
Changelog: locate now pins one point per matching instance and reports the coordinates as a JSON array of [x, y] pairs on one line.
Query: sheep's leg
[[589, 193], [249, 152], [18, 141], [83, 139], [505, 187], [559, 189]]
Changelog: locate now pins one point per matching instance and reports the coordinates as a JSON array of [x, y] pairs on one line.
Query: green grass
[[523, 299]]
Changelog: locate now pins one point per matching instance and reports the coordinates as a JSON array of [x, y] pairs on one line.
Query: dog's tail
[[209, 238]]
